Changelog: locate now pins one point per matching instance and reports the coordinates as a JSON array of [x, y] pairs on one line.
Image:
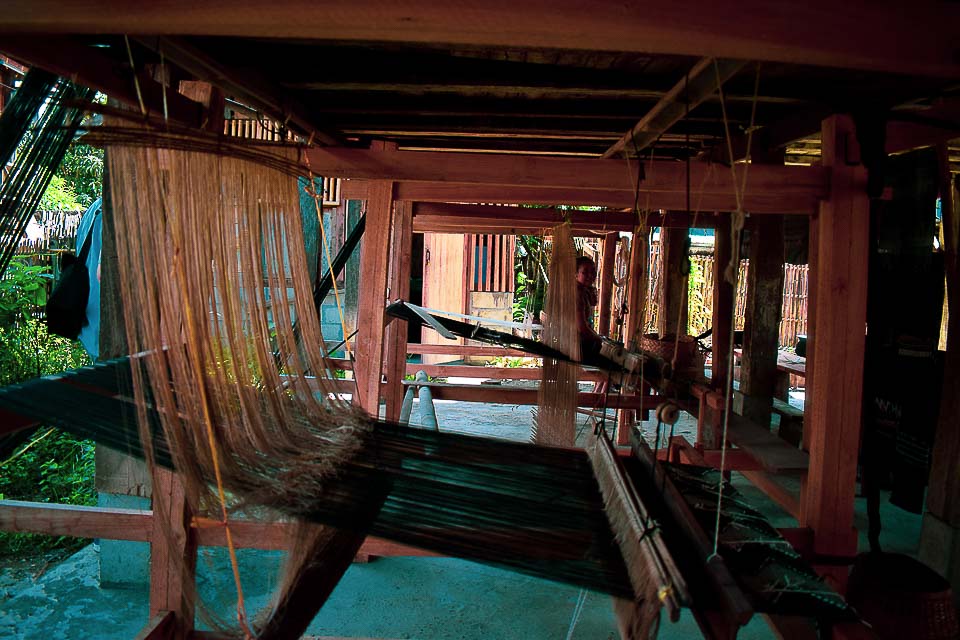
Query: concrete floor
[[426, 598]]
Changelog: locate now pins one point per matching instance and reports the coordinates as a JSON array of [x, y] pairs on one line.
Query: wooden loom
[[833, 193]]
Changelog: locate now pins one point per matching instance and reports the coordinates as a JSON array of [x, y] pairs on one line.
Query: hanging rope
[[317, 198], [732, 273]]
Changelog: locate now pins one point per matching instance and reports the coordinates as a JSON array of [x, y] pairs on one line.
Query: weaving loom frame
[[831, 197]]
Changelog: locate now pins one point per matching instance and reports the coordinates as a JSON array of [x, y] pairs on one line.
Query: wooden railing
[[491, 262], [269, 131], [795, 296]]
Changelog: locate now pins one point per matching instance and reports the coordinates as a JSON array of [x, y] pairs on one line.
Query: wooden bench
[[791, 421]]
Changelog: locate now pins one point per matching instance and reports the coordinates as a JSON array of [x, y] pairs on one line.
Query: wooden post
[[723, 304], [834, 414], [606, 282], [633, 326], [813, 272], [940, 536], [373, 290], [673, 299], [396, 339], [761, 335], [173, 553]]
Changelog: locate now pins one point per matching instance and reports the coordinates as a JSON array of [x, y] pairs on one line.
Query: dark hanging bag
[[67, 305]]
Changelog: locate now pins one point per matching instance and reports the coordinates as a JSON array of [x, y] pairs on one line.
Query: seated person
[[590, 340]]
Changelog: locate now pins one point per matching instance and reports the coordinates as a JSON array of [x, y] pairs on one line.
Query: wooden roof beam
[[466, 218], [247, 85], [92, 68], [856, 35], [503, 178], [698, 84]]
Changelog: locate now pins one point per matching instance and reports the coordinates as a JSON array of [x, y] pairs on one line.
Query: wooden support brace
[[606, 282], [833, 419], [673, 301], [373, 287], [762, 321], [723, 305], [173, 552], [399, 288], [633, 325]]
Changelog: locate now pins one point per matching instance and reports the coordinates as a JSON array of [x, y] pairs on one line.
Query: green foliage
[[530, 276], [59, 196], [22, 288], [55, 466], [699, 308], [82, 169], [512, 363]]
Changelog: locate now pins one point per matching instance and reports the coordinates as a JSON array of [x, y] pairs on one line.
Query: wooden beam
[[92, 68], [464, 350], [471, 218], [160, 627], [607, 265], [911, 129], [723, 306], [774, 454], [373, 288], [943, 497], [673, 278], [246, 84], [754, 202], [792, 32], [636, 296], [833, 416], [173, 552], [697, 85], [787, 499], [401, 248], [527, 396], [495, 373], [552, 173], [70, 520], [324, 553], [761, 335]]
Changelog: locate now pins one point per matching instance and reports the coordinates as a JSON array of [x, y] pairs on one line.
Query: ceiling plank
[[858, 34], [698, 84]]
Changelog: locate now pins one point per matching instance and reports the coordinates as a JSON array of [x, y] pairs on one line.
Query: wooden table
[[791, 371]]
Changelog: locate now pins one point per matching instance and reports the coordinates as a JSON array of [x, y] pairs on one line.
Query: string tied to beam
[[317, 199], [731, 274]]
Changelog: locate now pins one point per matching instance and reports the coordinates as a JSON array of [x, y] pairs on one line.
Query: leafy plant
[[82, 169], [22, 289], [699, 300], [59, 196], [512, 363], [532, 260], [54, 466]]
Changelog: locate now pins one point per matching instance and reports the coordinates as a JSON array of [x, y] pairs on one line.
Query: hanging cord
[[312, 192], [685, 269], [136, 81], [731, 275], [577, 610], [163, 85], [198, 373]]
